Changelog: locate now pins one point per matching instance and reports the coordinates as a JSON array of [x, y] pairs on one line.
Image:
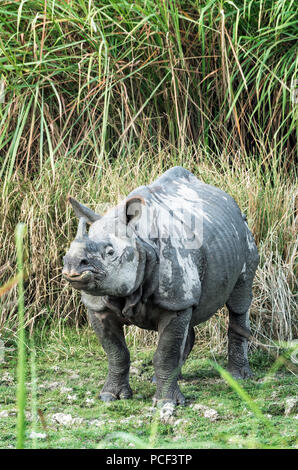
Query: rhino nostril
[[84, 262]]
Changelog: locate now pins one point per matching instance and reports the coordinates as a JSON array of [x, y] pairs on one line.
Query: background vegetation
[[100, 97], [96, 98]]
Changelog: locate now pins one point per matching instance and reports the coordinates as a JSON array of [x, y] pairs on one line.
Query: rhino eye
[[84, 262], [110, 251]]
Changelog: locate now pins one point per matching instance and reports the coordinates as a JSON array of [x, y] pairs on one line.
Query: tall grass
[[101, 97], [86, 80], [21, 368], [41, 204]]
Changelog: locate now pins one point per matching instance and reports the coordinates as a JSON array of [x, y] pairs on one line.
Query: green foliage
[[71, 368], [21, 369], [87, 80]]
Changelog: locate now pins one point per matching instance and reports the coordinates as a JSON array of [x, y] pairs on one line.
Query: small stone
[[90, 401], [37, 435], [290, 406], [207, 412], [4, 414], [65, 419], [50, 385], [65, 389], [166, 411], [7, 378], [72, 398]]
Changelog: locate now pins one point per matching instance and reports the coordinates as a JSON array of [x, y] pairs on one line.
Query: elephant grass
[[100, 97], [84, 80], [40, 203], [21, 368]]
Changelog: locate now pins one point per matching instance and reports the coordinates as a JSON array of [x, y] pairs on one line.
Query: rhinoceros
[[166, 258]]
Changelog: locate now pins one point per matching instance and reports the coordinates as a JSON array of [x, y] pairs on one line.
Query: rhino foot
[[240, 373], [113, 393], [176, 398]]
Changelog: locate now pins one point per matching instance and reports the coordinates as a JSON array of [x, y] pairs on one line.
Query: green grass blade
[[21, 367]]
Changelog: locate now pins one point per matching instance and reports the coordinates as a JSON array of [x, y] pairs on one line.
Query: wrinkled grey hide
[[166, 259]]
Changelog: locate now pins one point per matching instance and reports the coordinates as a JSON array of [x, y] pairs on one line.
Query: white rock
[[71, 398], [90, 401], [290, 405], [207, 412], [7, 378], [65, 389], [65, 419], [37, 435], [166, 411], [50, 385], [4, 414]]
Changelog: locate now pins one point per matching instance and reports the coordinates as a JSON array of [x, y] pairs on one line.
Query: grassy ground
[[69, 371]]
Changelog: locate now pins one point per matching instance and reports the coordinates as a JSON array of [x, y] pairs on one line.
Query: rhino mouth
[[82, 278], [86, 280]]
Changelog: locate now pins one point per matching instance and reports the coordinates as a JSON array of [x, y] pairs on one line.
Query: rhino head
[[108, 260]]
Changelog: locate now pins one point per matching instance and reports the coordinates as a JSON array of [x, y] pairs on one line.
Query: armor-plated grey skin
[[165, 259]]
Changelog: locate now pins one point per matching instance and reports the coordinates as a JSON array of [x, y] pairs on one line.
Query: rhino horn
[[83, 211], [82, 229]]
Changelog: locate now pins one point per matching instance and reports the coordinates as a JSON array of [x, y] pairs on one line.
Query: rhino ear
[[133, 209], [83, 211]]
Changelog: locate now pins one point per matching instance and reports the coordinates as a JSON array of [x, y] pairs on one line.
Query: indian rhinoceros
[[165, 259]]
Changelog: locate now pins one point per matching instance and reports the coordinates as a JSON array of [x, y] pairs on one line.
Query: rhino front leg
[[110, 334], [168, 358], [187, 349]]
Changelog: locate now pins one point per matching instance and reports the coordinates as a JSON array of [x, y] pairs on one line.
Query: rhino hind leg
[[168, 358], [238, 332], [238, 364], [111, 336]]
